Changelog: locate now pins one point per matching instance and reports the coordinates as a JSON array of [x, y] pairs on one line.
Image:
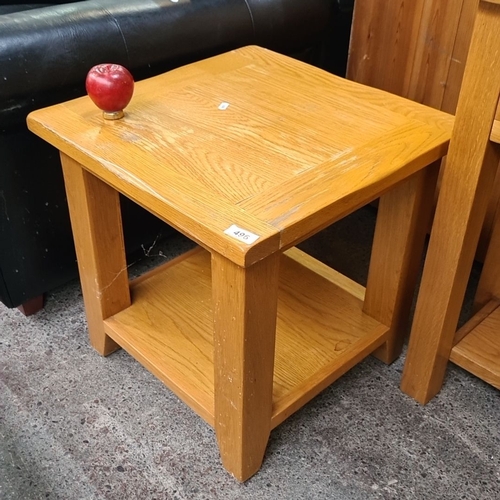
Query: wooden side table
[[248, 153]]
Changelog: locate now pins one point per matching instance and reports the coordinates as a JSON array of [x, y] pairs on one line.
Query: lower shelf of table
[[321, 330], [478, 351]]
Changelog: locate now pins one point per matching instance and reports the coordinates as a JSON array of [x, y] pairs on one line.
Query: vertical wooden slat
[[428, 75], [383, 43], [414, 49], [459, 56]]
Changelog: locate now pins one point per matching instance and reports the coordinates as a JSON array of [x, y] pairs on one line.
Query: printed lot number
[[241, 234]]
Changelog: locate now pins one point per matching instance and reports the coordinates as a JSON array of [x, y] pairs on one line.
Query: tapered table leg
[[403, 220], [97, 229], [244, 305]]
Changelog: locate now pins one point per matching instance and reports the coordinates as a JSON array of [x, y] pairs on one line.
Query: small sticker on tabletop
[[223, 105], [241, 234]]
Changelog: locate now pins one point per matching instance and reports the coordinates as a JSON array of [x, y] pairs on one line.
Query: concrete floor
[[76, 426]]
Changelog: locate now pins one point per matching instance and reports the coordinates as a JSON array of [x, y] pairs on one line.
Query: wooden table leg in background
[[403, 219], [244, 307], [97, 229]]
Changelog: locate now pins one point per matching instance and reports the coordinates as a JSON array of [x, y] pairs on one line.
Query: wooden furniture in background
[[415, 49], [418, 50], [466, 186], [248, 154]]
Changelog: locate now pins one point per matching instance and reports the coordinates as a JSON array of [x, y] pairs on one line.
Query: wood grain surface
[[287, 125]]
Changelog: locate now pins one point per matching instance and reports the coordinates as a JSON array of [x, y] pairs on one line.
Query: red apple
[[110, 86]]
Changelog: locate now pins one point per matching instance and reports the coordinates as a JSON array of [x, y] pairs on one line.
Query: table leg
[[97, 230], [404, 215], [245, 306]]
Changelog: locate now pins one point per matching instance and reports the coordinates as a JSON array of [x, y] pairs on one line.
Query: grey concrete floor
[[75, 426]]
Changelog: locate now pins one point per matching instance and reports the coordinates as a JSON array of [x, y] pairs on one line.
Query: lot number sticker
[[241, 234]]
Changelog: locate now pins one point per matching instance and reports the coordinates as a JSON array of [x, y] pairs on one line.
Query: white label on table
[[241, 234], [223, 105]]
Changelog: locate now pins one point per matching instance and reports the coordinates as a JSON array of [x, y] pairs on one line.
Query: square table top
[[250, 151]]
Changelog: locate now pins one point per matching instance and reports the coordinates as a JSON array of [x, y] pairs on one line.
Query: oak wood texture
[[457, 58], [287, 126], [97, 230], [321, 327], [417, 50], [394, 267], [465, 189], [488, 288], [244, 308], [479, 351], [430, 66], [383, 43], [476, 319], [495, 132], [242, 333]]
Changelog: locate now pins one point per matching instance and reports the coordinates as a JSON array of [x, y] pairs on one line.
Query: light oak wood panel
[[476, 320], [413, 49], [210, 171], [326, 194], [97, 230], [495, 133], [453, 82], [479, 351], [436, 39], [168, 328], [244, 305], [383, 42], [321, 330], [417, 50], [403, 217]]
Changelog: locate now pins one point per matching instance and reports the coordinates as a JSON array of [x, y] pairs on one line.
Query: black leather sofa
[[46, 51]]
